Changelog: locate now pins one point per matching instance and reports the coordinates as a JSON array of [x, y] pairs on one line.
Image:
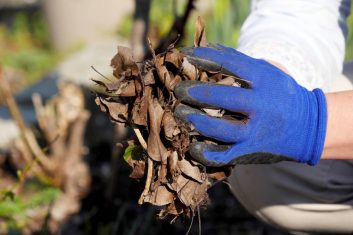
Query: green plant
[[349, 42], [223, 21], [14, 213], [25, 46]]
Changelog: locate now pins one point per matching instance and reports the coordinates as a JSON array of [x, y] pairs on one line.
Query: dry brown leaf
[[204, 77], [160, 196], [200, 37], [138, 168], [155, 148], [214, 112], [170, 126], [174, 57], [175, 82], [174, 208], [193, 193], [140, 109], [218, 175], [177, 183], [162, 173], [216, 77], [163, 73], [123, 62], [172, 164], [191, 171], [189, 70], [118, 87], [126, 89], [117, 111], [148, 79]]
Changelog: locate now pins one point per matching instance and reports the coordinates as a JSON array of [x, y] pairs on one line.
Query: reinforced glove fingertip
[[198, 149], [182, 92], [182, 111]]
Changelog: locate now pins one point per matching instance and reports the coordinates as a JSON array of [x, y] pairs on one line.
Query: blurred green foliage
[[223, 22], [161, 18], [15, 212], [349, 44], [25, 46]]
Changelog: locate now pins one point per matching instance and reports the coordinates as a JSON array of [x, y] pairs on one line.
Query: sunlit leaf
[[133, 152]]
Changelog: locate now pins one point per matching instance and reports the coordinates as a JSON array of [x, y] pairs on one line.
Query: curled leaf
[[160, 196], [123, 62], [138, 169], [140, 109], [155, 148], [117, 111], [170, 126], [148, 79], [174, 57], [189, 170], [200, 37], [188, 70]]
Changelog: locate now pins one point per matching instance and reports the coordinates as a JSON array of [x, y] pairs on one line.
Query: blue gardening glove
[[284, 121]]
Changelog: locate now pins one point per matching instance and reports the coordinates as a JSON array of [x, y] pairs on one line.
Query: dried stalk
[[140, 137], [149, 165], [31, 145], [148, 181], [76, 137]]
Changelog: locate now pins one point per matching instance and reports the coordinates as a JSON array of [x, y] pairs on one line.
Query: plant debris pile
[[142, 96]]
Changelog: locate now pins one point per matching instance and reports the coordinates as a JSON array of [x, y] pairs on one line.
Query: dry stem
[[149, 164], [148, 181], [140, 137], [31, 144]]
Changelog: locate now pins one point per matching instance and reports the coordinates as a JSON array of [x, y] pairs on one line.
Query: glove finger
[[227, 131], [211, 95], [197, 150], [229, 59], [204, 64], [224, 155]]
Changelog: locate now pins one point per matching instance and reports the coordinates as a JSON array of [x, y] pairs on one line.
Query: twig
[[191, 223], [13, 108], [148, 181], [199, 218], [122, 210], [31, 144], [47, 124], [151, 49], [76, 138], [37, 151], [149, 164], [139, 137], [95, 70], [178, 28]]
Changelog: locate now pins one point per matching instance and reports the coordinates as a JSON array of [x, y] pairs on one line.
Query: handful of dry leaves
[[142, 96]]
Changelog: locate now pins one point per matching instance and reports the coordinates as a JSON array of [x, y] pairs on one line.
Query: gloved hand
[[285, 120]]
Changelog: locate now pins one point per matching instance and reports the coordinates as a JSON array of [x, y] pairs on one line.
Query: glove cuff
[[320, 126]]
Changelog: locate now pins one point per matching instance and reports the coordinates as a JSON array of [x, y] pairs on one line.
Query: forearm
[[339, 133]]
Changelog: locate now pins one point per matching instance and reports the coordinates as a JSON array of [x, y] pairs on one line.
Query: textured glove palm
[[285, 120]]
